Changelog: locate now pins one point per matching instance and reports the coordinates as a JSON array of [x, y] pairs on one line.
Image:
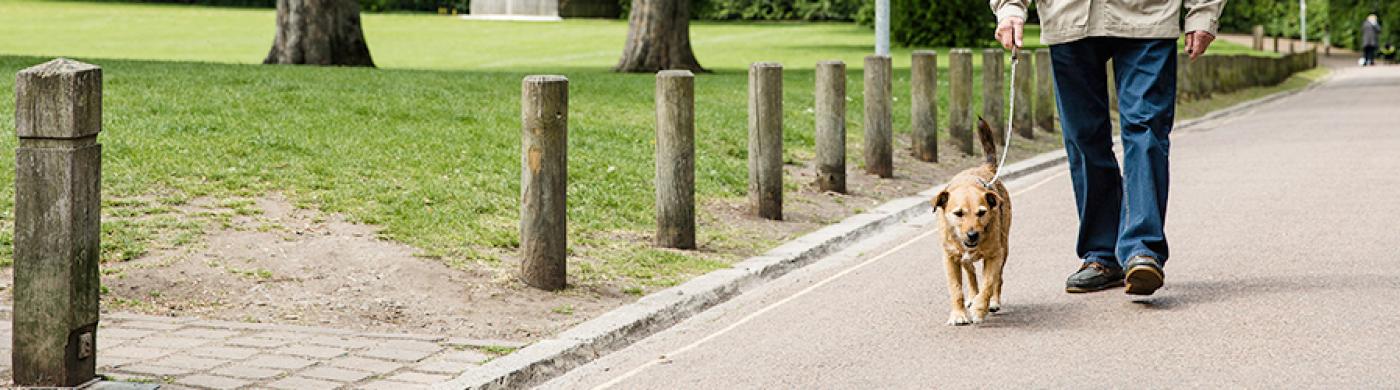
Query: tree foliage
[[941, 23], [1347, 15], [776, 10], [1279, 17], [366, 5], [1340, 18]]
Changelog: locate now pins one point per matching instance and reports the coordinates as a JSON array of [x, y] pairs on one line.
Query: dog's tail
[[989, 143]]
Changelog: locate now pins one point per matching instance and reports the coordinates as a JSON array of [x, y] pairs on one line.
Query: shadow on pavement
[[1184, 294]]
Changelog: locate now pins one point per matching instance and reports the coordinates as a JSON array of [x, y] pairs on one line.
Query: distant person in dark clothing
[[1370, 39], [1388, 53]]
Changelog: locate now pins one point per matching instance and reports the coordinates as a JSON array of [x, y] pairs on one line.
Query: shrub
[[1346, 17], [941, 23], [365, 5], [1278, 17], [776, 9]]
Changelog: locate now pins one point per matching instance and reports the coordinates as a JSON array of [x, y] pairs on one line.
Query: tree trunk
[[658, 38], [319, 32]]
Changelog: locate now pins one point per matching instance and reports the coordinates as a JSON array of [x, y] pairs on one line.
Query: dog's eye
[[958, 213], [981, 212]]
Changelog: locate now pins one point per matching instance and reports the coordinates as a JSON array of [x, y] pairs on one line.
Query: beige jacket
[[1070, 20]]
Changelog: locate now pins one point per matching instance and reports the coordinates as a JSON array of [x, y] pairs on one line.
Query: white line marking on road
[[804, 291]]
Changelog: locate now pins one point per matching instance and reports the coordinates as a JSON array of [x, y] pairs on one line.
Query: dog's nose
[[973, 236]]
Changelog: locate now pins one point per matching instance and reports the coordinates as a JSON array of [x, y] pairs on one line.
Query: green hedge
[[367, 5], [1279, 17], [941, 23], [700, 9], [776, 9], [1347, 16], [1341, 18]]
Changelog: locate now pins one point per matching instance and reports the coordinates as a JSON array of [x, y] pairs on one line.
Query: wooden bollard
[[675, 159], [923, 91], [994, 92], [1025, 88], [879, 159], [1226, 73], [960, 99], [1258, 37], [1044, 91], [58, 219], [766, 140], [544, 117], [1326, 45], [1209, 75], [1276, 44], [1260, 71], [1291, 48], [831, 126], [1188, 85], [1183, 81]]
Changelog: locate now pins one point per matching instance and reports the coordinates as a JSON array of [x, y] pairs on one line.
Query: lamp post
[[1303, 21], [882, 27]]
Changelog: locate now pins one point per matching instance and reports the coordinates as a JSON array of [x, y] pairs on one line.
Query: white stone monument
[[527, 10]]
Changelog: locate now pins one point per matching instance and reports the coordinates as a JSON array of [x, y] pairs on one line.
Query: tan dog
[[976, 220]]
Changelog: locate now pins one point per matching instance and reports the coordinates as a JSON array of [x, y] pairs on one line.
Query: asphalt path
[[1284, 225]]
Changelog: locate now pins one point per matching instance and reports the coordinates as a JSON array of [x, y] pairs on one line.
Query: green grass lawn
[[234, 35], [427, 146]]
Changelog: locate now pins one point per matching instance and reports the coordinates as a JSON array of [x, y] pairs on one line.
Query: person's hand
[[1009, 32], [1197, 42]]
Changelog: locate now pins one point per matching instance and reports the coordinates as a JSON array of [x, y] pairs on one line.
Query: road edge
[[624, 325], [619, 328]]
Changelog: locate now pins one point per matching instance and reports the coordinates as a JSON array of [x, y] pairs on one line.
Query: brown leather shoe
[[1145, 276], [1092, 277]]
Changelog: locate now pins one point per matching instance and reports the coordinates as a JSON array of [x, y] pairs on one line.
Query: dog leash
[[1006, 146]]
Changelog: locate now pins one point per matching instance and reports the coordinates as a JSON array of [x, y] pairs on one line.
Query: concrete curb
[[620, 327]]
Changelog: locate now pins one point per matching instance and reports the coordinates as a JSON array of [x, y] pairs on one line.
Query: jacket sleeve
[[1009, 8], [1203, 15]]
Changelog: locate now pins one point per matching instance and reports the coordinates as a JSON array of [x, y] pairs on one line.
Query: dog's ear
[[940, 201], [993, 200]]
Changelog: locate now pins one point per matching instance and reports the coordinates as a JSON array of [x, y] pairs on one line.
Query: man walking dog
[[1121, 213]]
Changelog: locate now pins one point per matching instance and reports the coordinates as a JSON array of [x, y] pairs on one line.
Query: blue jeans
[[1121, 213]]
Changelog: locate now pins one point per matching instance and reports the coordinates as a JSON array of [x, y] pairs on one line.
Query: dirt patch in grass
[[298, 266]]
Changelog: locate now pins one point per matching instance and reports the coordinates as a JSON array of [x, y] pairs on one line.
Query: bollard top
[[961, 50], [766, 65], [920, 53], [545, 79], [831, 63], [674, 73], [59, 99], [58, 66]]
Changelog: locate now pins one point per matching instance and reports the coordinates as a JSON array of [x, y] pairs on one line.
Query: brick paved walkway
[[202, 354]]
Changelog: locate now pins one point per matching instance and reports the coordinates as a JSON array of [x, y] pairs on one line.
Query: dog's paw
[[978, 316], [994, 307], [958, 319]]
